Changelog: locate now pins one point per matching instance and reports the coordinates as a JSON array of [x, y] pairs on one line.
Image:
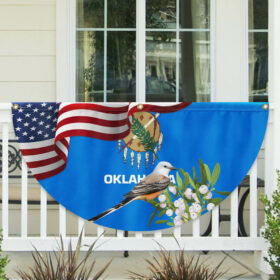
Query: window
[[177, 51], [258, 50]]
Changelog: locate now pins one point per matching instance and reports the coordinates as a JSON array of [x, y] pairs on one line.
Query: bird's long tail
[[109, 211]]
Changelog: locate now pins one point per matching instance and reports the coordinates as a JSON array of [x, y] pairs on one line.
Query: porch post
[[273, 146]]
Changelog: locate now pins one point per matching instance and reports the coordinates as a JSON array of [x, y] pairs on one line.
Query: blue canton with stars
[[35, 121]]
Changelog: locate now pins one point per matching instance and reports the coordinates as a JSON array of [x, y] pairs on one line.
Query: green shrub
[[4, 260], [271, 231], [63, 265]]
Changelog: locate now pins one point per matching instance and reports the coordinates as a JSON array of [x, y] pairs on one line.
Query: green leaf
[[161, 222], [202, 172], [216, 201], [191, 181], [208, 173], [161, 213], [179, 181], [215, 174], [223, 193], [194, 175], [170, 224], [186, 181], [152, 217]]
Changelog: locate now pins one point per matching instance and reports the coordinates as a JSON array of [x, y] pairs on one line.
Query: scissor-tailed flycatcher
[[149, 188]]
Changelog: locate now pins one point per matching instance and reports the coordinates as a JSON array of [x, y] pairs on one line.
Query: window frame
[[66, 52]]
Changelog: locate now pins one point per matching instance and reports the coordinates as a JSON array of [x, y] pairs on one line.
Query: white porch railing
[[26, 224]]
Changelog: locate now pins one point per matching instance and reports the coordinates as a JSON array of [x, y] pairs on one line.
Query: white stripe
[[50, 167], [38, 144], [106, 104], [40, 156], [62, 148], [92, 127], [93, 114]]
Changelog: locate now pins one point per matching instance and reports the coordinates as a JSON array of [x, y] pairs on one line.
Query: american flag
[[43, 130]]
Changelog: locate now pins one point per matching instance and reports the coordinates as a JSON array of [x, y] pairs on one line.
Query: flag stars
[[44, 104], [46, 135], [41, 123], [47, 126], [35, 110], [20, 110], [49, 117], [34, 119], [18, 128], [19, 119], [53, 129], [50, 107], [26, 124], [33, 128], [27, 115], [39, 132], [28, 105], [42, 114], [24, 133], [31, 138]]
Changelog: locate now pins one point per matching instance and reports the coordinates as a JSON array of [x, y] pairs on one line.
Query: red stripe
[[93, 134], [44, 162], [51, 173], [37, 151], [159, 109], [93, 107], [92, 120], [65, 143]]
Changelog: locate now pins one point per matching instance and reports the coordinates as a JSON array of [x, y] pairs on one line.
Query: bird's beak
[[172, 168]]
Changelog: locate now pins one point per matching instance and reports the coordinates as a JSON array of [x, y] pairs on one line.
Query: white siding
[[27, 50]]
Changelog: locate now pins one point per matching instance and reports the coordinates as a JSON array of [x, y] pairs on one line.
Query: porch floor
[[135, 262]]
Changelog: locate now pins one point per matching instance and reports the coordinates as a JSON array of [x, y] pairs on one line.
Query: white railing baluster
[[254, 201], [100, 231], [5, 180], [120, 233], [62, 221], [158, 234], [215, 222], [43, 213], [81, 226], [196, 227], [234, 213], [177, 232], [138, 234], [24, 182]]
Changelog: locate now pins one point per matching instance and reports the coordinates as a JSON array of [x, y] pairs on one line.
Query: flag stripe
[[92, 120], [37, 151], [39, 157], [44, 162]]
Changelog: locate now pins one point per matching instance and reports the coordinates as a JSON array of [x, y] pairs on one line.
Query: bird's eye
[[165, 166]]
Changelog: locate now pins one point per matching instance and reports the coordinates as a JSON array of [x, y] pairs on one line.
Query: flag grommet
[[265, 106], [140, 106], [15, 106]]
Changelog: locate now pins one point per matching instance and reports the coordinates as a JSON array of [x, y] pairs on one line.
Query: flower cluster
[[189, 198]]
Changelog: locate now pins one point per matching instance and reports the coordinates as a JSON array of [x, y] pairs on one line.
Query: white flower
[[197, 207], [177, 203], [193, 216], [188, 193], [209, 195], [163, 205], [162, 198], [191, 209], [181, 200], [210, 206], [178, 212], [194, 196], [172, 189], [203, 189], [169, 212], [182, 206], [177, 221]]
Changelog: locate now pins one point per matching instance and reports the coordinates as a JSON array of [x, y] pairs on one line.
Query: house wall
[[27, 50]]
